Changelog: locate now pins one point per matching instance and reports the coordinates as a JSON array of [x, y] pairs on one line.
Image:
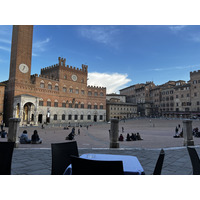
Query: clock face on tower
[[23, 68], [74, 77]]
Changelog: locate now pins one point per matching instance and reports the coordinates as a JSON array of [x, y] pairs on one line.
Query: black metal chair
[[81, 166], [6, 152], [194, 160], [159, 163], [61, 153]]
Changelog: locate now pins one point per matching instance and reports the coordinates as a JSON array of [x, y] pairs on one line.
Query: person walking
[[128, 138]]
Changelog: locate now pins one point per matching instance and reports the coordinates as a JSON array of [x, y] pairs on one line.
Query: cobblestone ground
[[156, 134], [38, 161]]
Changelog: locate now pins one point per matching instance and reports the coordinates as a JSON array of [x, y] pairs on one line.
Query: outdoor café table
[[131, 164]]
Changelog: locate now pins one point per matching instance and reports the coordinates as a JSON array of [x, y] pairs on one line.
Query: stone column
[[114, 132], [187, 133], [13, 135]]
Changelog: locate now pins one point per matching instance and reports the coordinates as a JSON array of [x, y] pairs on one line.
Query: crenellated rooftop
[[95, 87], [43, 76], [194, 73], [61, 64]]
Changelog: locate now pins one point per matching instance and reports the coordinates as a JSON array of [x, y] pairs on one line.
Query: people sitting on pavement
[[133, 136], [121, 137], [3, 134], [176, 131], [70, 136], [179, 135], [35, 139], [138, 137], [128, 138], [195, 132], [24, 138], [66, 128]]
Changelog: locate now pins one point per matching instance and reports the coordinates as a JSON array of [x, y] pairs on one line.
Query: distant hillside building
[[60, 94]]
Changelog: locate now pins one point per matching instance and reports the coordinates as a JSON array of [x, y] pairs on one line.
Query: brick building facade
[[117, 107], [60, 93], [2, 90], [172, 99], [140, 94]]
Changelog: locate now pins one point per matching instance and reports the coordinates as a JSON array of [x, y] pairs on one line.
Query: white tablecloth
[[131, 164]]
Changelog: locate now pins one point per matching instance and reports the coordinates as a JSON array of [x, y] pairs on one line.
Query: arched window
[[42, 84], [63, 117], [64, 88], [77, 90], [82, 91], [56, 103], [49, 102], [82, 105], [49, 86], [95, 106], [56, 87], [101, 106], [70, 89], [70, 104], [76, 105], [55, 117], [41, 102], [101, 94], [64, 104], [89, 106]]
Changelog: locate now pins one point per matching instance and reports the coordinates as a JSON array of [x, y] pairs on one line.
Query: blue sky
[[117, 55]]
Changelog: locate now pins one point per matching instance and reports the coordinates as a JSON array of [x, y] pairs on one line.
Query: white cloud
[[40, 46], [177, 28], [175, 68], [5, 48], [5, 30], [99, 58], [5, 41], [113, 82], [195, 37], [101, 34]]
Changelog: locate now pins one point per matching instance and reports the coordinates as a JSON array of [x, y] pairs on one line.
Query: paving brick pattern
[[38, 161], [157, 133]]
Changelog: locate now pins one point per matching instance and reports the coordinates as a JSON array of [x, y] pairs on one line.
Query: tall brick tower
[[20, 64]]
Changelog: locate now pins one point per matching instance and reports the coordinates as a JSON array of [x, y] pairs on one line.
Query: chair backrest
[[159, 163], [61, 153], [6, 152], [194, 160], [81, 166]]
